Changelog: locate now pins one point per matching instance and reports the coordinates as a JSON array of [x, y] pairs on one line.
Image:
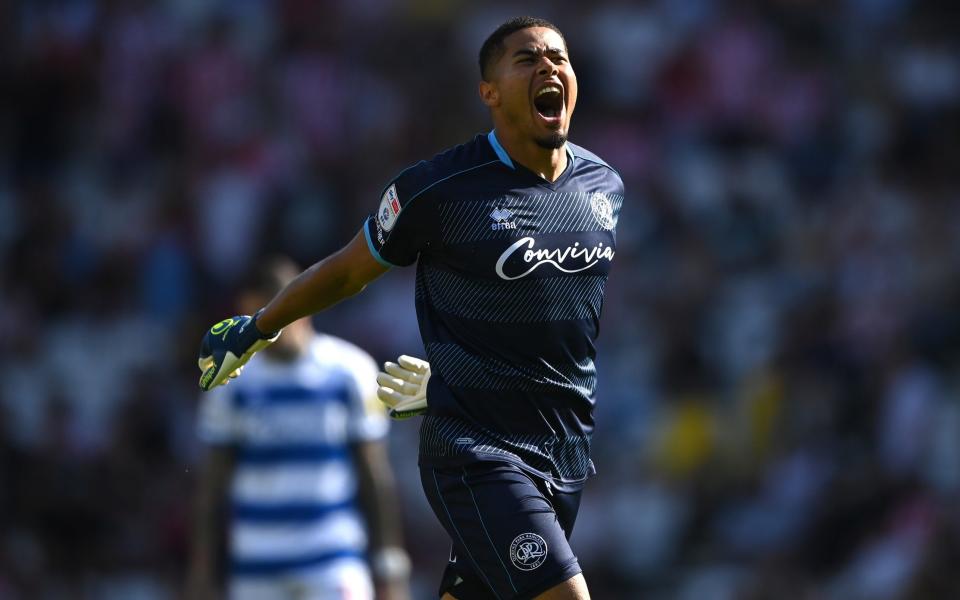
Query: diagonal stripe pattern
[[459, 368], [533, 300], [545, 213]]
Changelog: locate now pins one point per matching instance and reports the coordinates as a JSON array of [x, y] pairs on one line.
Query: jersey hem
[[466, 459]]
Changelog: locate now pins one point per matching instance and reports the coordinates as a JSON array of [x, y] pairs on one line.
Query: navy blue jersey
[[510, 276]]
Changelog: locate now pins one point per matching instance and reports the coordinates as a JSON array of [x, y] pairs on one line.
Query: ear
[[489, 94]]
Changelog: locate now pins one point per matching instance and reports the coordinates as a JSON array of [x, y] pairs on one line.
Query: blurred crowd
[[779, 401]]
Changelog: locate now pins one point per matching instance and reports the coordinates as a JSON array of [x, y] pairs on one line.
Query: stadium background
[[779, 411]]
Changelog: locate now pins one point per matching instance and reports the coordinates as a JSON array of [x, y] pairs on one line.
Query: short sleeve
[[218, 422], [400, 228]]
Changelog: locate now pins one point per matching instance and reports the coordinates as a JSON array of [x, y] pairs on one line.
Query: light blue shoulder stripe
[[504, 157], [452, 175], [373, 249], [588, 156]]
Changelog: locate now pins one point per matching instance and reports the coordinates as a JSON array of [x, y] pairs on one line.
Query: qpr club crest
[[528, 551], [602, 210]]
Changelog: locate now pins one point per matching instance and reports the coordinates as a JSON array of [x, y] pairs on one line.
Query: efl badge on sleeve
[[389, 208]]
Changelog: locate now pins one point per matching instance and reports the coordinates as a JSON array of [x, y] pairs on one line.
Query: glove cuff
[[248, 334], [256, 328]]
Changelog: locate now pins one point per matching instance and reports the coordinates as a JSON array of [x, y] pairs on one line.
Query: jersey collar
[[505, 158], [501, 153]]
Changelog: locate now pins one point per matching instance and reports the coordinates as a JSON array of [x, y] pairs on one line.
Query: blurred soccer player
[[514, 235], [296, 462]]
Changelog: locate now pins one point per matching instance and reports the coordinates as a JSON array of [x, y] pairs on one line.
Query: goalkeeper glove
[[403, 387], [227, 346]]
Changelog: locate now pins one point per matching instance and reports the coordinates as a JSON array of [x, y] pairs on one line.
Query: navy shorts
[[509, 530]]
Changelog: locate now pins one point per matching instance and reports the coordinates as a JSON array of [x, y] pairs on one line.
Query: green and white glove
[[227, 346], [403, 387]]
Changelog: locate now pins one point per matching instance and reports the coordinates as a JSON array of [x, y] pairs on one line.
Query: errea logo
[[501, 219]]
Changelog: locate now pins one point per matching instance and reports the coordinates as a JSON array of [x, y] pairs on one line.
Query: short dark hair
[[492, 48], [270, 275]]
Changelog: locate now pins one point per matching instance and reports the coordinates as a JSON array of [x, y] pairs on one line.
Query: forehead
[[533, 38]]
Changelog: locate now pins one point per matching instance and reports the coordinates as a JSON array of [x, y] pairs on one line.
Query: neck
[[293, 344], [545, 162]]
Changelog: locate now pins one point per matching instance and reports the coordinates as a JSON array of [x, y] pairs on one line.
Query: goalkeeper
[[514, 234]]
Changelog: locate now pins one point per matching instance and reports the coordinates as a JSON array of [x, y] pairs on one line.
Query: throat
[[546, 158], [551, 165]]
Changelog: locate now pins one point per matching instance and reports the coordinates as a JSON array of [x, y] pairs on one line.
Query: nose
[[547, 67]]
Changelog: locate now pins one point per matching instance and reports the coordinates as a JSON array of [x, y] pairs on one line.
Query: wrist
[[264, 333], [389, 564]]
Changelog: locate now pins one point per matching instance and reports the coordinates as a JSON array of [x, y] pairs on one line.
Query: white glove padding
[[403, 387]]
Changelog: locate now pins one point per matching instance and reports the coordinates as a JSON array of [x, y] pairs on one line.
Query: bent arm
[[340, 275], [378, 495], [209, 524]]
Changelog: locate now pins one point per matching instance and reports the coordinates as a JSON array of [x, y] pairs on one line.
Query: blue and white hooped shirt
[[293, 495]]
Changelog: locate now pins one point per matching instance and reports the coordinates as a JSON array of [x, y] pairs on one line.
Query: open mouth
[[549, 102]]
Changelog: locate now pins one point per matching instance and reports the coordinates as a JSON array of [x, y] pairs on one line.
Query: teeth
[[547, 90]]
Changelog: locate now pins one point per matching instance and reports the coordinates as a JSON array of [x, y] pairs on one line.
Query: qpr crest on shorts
[[528, 551], [602, 210]]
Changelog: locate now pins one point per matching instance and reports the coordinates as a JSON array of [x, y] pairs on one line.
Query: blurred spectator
[[296, 484]]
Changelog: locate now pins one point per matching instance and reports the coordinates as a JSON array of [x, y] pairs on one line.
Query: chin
[[553, 141]]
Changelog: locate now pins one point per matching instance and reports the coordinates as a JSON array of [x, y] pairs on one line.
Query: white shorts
[[341, 580]]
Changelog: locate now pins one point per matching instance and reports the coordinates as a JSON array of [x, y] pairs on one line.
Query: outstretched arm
[[340, 275], [227, 346]]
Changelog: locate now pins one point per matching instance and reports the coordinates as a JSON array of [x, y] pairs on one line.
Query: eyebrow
[[532, 52]]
